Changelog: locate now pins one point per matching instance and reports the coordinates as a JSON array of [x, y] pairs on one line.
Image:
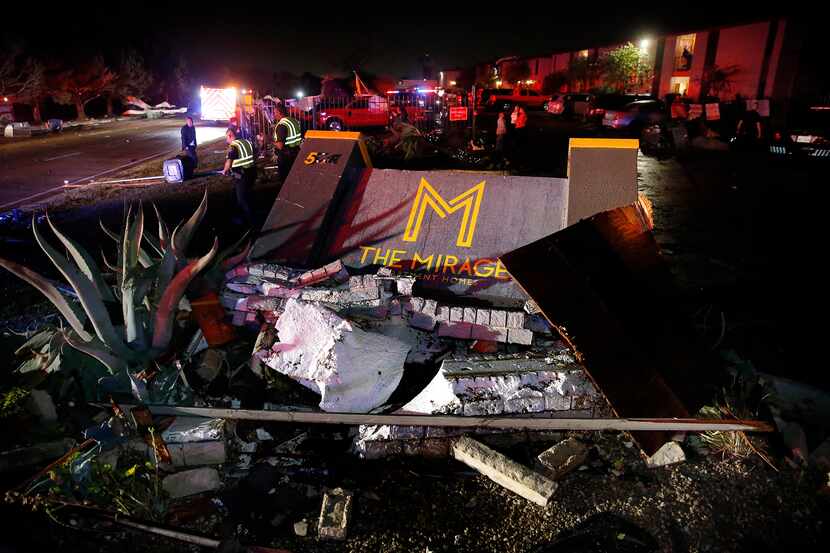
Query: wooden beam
[[507, 423]]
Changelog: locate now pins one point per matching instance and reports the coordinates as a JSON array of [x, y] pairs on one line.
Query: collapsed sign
[[447, 228]]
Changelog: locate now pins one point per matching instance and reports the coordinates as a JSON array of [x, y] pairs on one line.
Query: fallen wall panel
[[603, 284]]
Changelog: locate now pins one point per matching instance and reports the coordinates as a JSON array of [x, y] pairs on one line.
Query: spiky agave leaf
[[99, 351], [130, 293], [84, 262], [72, 315], [163, 327], [183, 233], [90, 299], [164, 232]]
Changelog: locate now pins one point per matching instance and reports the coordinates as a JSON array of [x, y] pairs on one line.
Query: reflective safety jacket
[[246, 154], [293, 135]]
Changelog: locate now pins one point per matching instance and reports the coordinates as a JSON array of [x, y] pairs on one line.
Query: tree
[[516, 71], [133, 78], [22, 78], [83, 83], [626, 68], [181, 81], [582, 72]]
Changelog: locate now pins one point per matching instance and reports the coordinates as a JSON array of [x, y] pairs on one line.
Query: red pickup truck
[[358, 112], [504, 99]]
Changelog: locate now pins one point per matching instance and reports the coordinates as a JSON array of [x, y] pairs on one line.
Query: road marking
[[81, 179], [63, 156], [60, 187]]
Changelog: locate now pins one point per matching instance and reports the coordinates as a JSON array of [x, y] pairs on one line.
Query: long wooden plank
[[517, 423]]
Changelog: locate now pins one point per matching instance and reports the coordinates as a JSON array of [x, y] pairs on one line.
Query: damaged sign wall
[[447, 228]]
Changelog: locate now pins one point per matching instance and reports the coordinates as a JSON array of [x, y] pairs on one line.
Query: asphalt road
[[32, 169]]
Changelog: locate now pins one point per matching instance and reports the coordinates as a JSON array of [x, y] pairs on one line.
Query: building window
[[684, 52], [679, 85], [583, 53]]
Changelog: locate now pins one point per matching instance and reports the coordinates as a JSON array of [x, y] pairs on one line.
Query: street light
[[644, 43], [300, 94]]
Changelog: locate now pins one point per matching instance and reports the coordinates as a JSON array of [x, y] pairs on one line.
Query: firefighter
[[287, 139], [240, 163]]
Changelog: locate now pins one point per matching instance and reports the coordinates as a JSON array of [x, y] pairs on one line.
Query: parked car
[[504, 99], [358, 112], [806, 138], [635, 116], [569, 104], [599, 104]]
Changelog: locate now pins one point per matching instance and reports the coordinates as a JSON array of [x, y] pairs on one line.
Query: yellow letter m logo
[[469, 201]]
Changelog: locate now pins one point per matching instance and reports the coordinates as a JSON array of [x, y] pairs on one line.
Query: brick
[[498, 318], [451, 329], [507, 473], [404, 286], [515, 319], [442, 313], [417, 303], [469, 315], [492, 334], [521, 336], [456, 314], [335, 513], [430, 307], [483, 407], [531, 307], [422, 320], [279, 290], [563, 458], [483, 317]]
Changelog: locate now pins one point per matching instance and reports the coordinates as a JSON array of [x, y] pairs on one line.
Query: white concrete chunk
[[669, 454]]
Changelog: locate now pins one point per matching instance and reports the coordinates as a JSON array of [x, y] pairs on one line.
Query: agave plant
[[151, 276]]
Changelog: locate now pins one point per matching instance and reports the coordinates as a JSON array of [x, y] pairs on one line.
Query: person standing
[[287, 139], [240, 164], [520, 142], [189, 140], [501, 132]]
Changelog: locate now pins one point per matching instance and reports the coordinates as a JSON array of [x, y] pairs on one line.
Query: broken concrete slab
[[191, 482], [327, 354], [507, 473], [510, 384], [335, 513], [670, 453], [563, 457]]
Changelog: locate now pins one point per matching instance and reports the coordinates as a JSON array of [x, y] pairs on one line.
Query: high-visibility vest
[[246, 154], [294, 135]]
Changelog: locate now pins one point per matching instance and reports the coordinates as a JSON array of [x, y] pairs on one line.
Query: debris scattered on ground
[[335, 513], [517, 478], [669, 454], [563, 457]]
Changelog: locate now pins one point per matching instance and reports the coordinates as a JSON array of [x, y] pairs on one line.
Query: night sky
[[325, 41]]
